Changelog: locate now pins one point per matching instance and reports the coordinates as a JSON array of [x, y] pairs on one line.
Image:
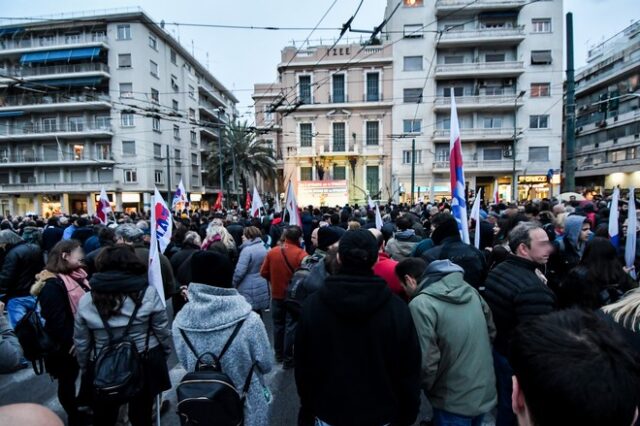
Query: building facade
[[109, 101], [329, 116], [502, 60], [608, 114]]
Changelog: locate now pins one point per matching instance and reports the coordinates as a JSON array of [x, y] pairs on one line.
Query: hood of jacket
[[444, 281], [250, 243], [572, 228], [212, 308], [118, 282], [41, 280], [406, 235], [355, 296]]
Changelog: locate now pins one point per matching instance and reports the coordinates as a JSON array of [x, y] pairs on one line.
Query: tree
[[253, 157]]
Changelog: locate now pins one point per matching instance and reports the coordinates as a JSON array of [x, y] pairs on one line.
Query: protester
[[246, 278], [51, 234], [357, 355], [385, 267], [218, 238], [106, 237], [404, 239], [569, 249], [181, 266], [209, 293], [10, 349], [119, 285]]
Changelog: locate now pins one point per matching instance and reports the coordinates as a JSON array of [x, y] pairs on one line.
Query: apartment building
[[329, 118], [502, 60], [608, 114], [109, 101]]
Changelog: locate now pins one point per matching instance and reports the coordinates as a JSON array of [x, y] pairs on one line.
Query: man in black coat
[[516, 291], [357, 355], [52, 234]]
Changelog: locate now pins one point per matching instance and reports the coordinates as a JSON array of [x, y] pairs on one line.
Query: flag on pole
[[458, 203], [247, 202], [104, 207], [292, 207], [496, 193], [370, 201], [160, 236], [277, 207], [180, 196], [475, 215], [256, 203], [218, 204], [379, 222], [614, 218], [630, 246]]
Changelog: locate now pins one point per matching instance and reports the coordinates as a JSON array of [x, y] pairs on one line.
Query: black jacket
[[82, 234], [236, 230], [21, 264], [50, 237], [357, 355], [581, 289], [515, 293], [464, 255], [181, 263]]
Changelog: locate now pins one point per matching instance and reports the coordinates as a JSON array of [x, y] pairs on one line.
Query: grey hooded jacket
[[247, 278], [208, 319]]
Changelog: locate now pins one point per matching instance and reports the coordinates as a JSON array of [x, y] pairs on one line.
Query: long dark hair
[[601, 261], [55, 262]]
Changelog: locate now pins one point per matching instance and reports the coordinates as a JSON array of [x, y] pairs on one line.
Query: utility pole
[[220, 156], [514, 186], [168, 176], [569, 182], [413, 168]]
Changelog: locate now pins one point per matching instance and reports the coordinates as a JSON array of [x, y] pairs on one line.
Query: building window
[[192, 114], [126, 90], [306, 135], [541, 25], [442, 152], [27, 177], [412, 96], [49, 124], [78, 152], [338, 88], [177, 156], [489, 154], [306, 173], [76, 124], [4, 178], [412, 3], [124, 60], [412, 63], [411, 126], [128, 148], [539, 90], [156, 124], [52, 176], [267, 114], [373, 133], [194, 159], [155, 96], [373, 87], [373, 179], [339, 137], [194, 138], [339, 173], [538, 153], [494, 57], [103, 122], [406, 157], [457, 91], [540, 57], [539, 121], [153, 42], [175, 105], [413, 31], [126, 119], [157, 151], [453, 59], [130, 175], [492, 122], [174, 57], [192, 92], [124, 32], [304, 83], [176, 132], [153, 69], [158, 177]]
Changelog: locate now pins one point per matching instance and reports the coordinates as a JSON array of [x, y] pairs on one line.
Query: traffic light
[[602, 105]]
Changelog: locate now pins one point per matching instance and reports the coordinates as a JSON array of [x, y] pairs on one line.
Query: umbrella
[[566, 196]]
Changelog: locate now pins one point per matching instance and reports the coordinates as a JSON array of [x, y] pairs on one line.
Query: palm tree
[[253, 157]]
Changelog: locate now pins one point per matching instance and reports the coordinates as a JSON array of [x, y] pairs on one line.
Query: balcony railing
[[482, 33], [65, 157], [53, 41], [478, 4], [485, 165], [56, 69], [469, 133], [480, 66], [29, 99], [62, 187], [34, 129], [485, 100]]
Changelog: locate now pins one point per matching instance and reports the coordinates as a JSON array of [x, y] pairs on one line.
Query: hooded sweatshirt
[[572, 228], [454, 328]]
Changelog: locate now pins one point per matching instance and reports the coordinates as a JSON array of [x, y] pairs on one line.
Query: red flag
[[218, 204], [247, 203]]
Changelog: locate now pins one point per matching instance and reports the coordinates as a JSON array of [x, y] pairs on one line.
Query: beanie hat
[[448, 228], [212, 268], [358, 251], [328, 235]]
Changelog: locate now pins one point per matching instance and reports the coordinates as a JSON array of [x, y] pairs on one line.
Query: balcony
[[477, 134], [56, 102], [468, 103], [62, 70], [485, 166], [16, 46], [207, 133], [33, 131], [498, 36], [480, 69], [213, 94], [604, 77], [41, 161], [449, 6], [13, 188]]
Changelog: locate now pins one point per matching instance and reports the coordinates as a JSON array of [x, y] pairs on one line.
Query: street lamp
[[514, 184], [220, 153]]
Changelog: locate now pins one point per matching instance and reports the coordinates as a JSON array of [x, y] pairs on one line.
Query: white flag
[[292, 207], [104, 207], [180, 196], [256, 203], [160, 235], [277, 207], [379, 222], [475, 214], [370, 201], [630, 246], [614, 217]]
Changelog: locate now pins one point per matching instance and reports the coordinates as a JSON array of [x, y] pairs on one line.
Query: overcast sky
[[240, 58]]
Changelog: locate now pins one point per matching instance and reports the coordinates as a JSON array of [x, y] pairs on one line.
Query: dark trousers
[[504, 372], [284, 331], [67, 390], [140, 411]]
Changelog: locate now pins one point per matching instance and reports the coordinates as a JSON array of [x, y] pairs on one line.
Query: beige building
[[329, 118]]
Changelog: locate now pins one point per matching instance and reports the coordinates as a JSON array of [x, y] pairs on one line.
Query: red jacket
[[385, 269], [275, 270]]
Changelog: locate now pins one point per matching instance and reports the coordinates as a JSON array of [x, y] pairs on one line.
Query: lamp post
[[514, 183], [220, 155]]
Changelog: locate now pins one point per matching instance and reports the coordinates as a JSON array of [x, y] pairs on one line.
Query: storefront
[[131, 202], [531, 187]]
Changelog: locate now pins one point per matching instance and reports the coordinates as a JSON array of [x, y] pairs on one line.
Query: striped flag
[[292, 207], [458, 203], [614, 218], [632, 223], [180, 196], [256, 203], [161, 228], [104, 207], [475, 215]]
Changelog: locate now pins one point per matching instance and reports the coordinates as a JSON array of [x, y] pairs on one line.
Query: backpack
[[207, 395], [35, 341], [295, 289], [117, 369]]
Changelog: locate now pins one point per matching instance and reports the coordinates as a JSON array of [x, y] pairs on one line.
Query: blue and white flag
[[180, 196], [161, 229], [458, 202], [475, 215], [614, 218], [632, 223]]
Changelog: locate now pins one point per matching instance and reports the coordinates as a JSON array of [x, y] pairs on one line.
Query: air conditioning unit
[[5, 159]]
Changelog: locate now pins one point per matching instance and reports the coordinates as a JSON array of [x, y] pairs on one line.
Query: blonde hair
[[216, 228], [626, 311], [353, 225]]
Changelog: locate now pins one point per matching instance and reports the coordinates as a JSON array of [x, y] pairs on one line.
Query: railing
[[66, 157], [477, 132], [29, 99], [30, 128], [483, 33], [480, 66], [447, 4], [38, 186], [480, 99], [487, 165], [583, 83], [217, 93], [59, 69], [51, 42]]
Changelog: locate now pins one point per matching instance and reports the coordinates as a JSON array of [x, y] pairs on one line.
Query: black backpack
[[35, 341], [296, 293], [117, 369], [207, 396]]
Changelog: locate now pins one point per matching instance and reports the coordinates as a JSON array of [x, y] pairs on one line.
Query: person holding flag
[[458, 202], [104, 207]]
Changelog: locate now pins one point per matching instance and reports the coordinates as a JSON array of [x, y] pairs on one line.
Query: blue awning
[[83, 81], [10, 31], [60, 55], [5, 114]]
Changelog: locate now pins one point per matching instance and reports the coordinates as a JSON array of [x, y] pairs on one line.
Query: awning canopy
[[5, 114], [83, 81], [60, 55], [10, 31]]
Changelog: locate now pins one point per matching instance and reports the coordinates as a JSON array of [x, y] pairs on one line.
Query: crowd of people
[[539, 325]]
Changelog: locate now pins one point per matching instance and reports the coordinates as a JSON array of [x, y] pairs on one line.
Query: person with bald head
[[28, 415]]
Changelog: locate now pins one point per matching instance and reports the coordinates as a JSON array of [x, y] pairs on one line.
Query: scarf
[[210, 240], [76, 283], [118, 282]]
